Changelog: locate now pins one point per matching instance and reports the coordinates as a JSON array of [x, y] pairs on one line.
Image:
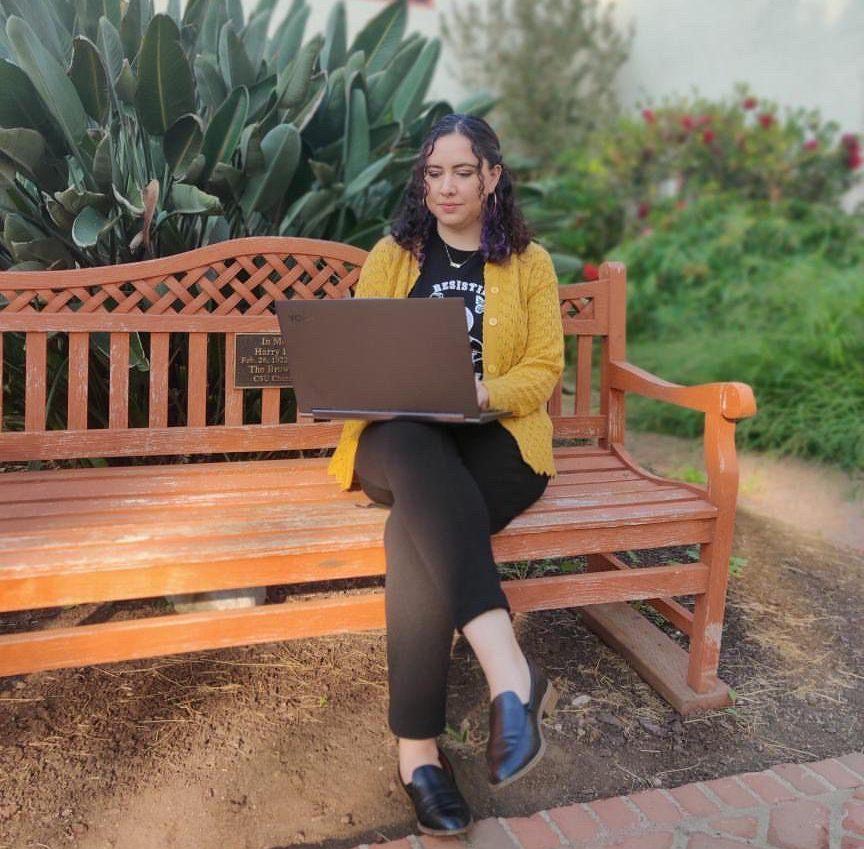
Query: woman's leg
[[440, 570], [509, 486]]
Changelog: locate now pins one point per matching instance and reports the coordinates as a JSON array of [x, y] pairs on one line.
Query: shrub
[[768, 294], [607, 190], [501, 45]]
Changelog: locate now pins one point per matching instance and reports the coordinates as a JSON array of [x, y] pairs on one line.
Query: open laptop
[[382, 358]]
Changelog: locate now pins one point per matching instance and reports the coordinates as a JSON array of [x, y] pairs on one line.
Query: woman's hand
[[482, 393]]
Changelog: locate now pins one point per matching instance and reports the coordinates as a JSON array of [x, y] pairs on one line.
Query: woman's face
[[453, 184]]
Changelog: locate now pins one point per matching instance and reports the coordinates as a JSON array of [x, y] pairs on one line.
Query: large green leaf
[[88, 77], [126, 83], [224, 129], [288, 37], [478, 104], [335, 35], [43, 18], [135, 22], [21, 106], [214, 18], [308, 209], [281, 148], [356, 154], [111, 48], [381, 36], [165, 89], [294, 80], [190, 200], [50, 80], [211, 86], [255, 38], [368, 176], [227, 181], [182, 142], [103, 164], [383, 85], [234, 10], [251, 154], [409, 96], [233, 61], [89, 225], [23, 147]]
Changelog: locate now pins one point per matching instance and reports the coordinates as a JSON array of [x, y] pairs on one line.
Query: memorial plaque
[[260, 361]]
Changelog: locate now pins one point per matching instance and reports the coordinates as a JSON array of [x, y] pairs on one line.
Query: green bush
[[768, 294], [604, 192]]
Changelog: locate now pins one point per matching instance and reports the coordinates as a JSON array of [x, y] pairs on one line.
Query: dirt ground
[[287, 745]]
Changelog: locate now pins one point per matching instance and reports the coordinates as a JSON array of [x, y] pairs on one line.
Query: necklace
[[450, 258]]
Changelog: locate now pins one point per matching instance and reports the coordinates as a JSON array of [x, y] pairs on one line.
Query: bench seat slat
[[225, 537], [284, 492], [14, 485], [257, 508], [65, 585]]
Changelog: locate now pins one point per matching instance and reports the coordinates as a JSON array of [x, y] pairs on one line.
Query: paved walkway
[[805, 806]]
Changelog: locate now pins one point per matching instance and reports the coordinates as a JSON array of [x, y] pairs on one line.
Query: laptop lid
[[387, 356]]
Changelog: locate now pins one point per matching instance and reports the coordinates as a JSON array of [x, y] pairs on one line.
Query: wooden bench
[[84, 534]]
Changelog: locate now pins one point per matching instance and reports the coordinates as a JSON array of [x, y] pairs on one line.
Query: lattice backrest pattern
[[161, 336]]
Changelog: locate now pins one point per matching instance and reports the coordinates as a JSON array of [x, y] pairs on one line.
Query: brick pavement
[[817, 805]]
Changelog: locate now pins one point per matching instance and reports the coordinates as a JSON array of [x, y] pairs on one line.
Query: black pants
[[450, 487]]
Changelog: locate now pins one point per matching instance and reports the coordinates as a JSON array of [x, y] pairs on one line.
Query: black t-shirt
[[438, 279]]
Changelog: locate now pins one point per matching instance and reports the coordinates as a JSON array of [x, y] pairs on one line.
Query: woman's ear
[[496, 176]]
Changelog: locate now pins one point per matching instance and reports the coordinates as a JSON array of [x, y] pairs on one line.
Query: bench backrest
[[178, 318]]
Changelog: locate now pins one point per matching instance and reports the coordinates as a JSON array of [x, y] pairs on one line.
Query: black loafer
[[516, 741], [440, 807]]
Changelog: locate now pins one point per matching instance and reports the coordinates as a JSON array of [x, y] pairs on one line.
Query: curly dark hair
[[505, 230]]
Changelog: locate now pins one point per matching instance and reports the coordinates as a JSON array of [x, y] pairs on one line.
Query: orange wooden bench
[[77, 534]]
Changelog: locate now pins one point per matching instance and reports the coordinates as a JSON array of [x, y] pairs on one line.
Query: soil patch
[[286, 744]]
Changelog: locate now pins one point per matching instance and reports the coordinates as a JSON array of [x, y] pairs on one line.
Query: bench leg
[[707, 629], [656, 657]]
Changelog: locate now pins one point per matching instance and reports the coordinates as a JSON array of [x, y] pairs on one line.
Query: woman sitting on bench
[[451, 487]]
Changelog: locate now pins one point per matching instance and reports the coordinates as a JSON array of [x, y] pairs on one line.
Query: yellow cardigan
[[523, 344]]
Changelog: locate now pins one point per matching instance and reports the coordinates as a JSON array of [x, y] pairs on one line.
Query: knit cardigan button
[[493, 321]]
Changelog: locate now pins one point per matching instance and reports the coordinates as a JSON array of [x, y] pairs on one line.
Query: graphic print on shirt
[[475, 302], [440, 279]]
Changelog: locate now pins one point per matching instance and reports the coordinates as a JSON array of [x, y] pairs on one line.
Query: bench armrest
[[732, 400]]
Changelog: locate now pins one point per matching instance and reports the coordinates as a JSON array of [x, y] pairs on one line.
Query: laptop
[[382, 358]]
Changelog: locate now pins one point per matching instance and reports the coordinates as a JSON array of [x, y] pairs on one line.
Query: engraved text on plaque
[[260, 361]]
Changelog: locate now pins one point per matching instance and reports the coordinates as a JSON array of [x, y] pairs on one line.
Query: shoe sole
[[437, 832], [547, 706]]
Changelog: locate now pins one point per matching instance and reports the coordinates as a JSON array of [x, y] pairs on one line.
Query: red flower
[[766, 119], [590, 271], [849, 140], [643, 209], [648, 115], [708, 136], [811, 144], [750, 103], [853, 161], [687, 122]]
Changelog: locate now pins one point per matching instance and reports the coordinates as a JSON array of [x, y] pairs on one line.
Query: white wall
[[797, 52]]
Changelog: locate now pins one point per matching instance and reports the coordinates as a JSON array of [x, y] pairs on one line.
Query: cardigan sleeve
[[374, 280], [530, 383]]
